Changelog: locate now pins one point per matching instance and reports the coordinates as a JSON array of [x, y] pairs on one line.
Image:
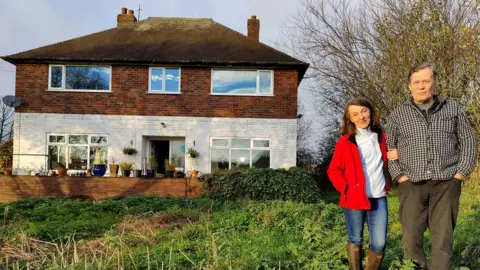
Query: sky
[[29, 24]]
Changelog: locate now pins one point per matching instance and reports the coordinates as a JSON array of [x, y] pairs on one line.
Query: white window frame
[[67, 145], [64, 73], [230, 148], [164, 82], [257, 93]]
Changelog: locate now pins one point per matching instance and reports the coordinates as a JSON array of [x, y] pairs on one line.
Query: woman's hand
[[392, 154]]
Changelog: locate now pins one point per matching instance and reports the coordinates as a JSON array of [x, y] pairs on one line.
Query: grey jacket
[[434, 146]]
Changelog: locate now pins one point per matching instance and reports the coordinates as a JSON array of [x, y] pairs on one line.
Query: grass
[[144, 232]]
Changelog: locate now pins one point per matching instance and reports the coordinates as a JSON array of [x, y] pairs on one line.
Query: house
[[161, 86]]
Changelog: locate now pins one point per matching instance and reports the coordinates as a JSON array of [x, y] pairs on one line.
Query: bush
[[262, 184]]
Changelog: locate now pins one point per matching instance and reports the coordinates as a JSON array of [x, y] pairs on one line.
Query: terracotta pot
[[113, 170], [7, 172], [62, 171], [194, 174]]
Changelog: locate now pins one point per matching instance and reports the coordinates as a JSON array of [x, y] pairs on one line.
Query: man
[[437, 150]]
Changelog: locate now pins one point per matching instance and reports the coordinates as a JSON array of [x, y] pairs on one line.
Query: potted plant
[[129, 151], [99, 166], [153, 166], [126, 167], [170, 166], [113, 168], [193, 155], [61, 170], [7, 171]]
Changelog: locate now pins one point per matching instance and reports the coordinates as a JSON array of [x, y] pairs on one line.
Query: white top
[[372, 162]]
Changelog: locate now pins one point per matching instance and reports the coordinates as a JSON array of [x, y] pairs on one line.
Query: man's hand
[[458, 176], [403, 179], [392, 154]]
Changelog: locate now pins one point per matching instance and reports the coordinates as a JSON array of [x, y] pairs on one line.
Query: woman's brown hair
[[348, 127]]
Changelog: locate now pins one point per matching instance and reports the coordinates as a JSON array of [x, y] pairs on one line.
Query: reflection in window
[[78, 139], [56, 76], [164, 80], [261, 158], [240, 158], [103, 154], [229, 153], [56, 139], [98, 139], [220, 159], [78, 158], [80, 77], [242, 82], [56, 157]]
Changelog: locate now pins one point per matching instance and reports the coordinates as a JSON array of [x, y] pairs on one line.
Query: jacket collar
[[352, 139], [438, 102]]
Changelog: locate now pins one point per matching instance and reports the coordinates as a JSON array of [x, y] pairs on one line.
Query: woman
[[358, 171]]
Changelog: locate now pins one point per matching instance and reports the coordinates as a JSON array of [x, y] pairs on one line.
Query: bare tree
[[306, 152], [366, 48], [6, 122]]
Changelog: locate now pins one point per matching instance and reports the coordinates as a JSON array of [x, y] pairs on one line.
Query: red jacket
[[346, 172]]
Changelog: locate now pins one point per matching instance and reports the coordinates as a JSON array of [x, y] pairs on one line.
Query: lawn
[[143, 232]]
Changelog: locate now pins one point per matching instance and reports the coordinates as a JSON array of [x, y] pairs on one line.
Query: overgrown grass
[[145, 232]]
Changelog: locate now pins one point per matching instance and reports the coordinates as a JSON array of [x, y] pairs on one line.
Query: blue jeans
[[377, 220]]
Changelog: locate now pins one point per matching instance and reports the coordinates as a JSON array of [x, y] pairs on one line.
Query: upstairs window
[[79, 78], [164, 80], [242, 82]]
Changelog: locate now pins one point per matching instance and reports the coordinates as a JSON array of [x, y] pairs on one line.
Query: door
[[161, 151]]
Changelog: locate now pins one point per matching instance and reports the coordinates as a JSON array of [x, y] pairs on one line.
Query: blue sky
[[28, 24]]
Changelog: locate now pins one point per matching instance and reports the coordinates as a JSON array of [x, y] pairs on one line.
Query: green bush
[[262, 184]]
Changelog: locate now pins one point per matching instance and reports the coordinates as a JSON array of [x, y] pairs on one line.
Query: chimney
[[253, 28], [124, 18]]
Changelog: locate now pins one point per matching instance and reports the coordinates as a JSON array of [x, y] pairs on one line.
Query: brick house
[[161, 86]]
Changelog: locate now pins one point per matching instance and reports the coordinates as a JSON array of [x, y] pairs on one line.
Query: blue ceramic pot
[[99, 169]]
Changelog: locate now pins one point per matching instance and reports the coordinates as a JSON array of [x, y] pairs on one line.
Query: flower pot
[[62, 171], [151, 173], [194, 174], [126, 173], [99, 169], [7, 172], [169, 174], [113, 170]]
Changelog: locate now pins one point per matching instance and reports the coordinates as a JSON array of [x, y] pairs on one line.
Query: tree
[[6, 122], [305, 151], [366, 48]]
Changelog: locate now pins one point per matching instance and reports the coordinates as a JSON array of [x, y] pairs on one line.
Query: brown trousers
[[432, 205]]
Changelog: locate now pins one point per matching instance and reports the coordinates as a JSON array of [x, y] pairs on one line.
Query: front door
[[161, 151]]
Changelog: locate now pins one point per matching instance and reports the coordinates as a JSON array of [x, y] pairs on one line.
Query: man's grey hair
[[421, 66]]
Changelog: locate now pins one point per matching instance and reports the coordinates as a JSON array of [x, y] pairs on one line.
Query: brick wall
[[129, 96], [97, 188]]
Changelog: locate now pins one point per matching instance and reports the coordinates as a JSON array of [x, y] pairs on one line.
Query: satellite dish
[[12, 101]]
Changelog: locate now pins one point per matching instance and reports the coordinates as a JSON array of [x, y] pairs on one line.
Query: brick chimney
[[124, 18], [253, 28]]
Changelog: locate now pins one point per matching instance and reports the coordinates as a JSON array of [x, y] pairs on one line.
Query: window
[[164, 80], [229, 153], [242, 82], [76, 152], [79, 78]]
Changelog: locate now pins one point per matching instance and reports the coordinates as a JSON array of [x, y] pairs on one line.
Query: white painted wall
[[30, 135]]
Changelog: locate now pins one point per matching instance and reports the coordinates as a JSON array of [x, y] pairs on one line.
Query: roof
[[185, 41]]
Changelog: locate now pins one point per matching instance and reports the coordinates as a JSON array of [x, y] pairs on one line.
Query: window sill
[[79, 91], [244, 95], [163, 93]]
